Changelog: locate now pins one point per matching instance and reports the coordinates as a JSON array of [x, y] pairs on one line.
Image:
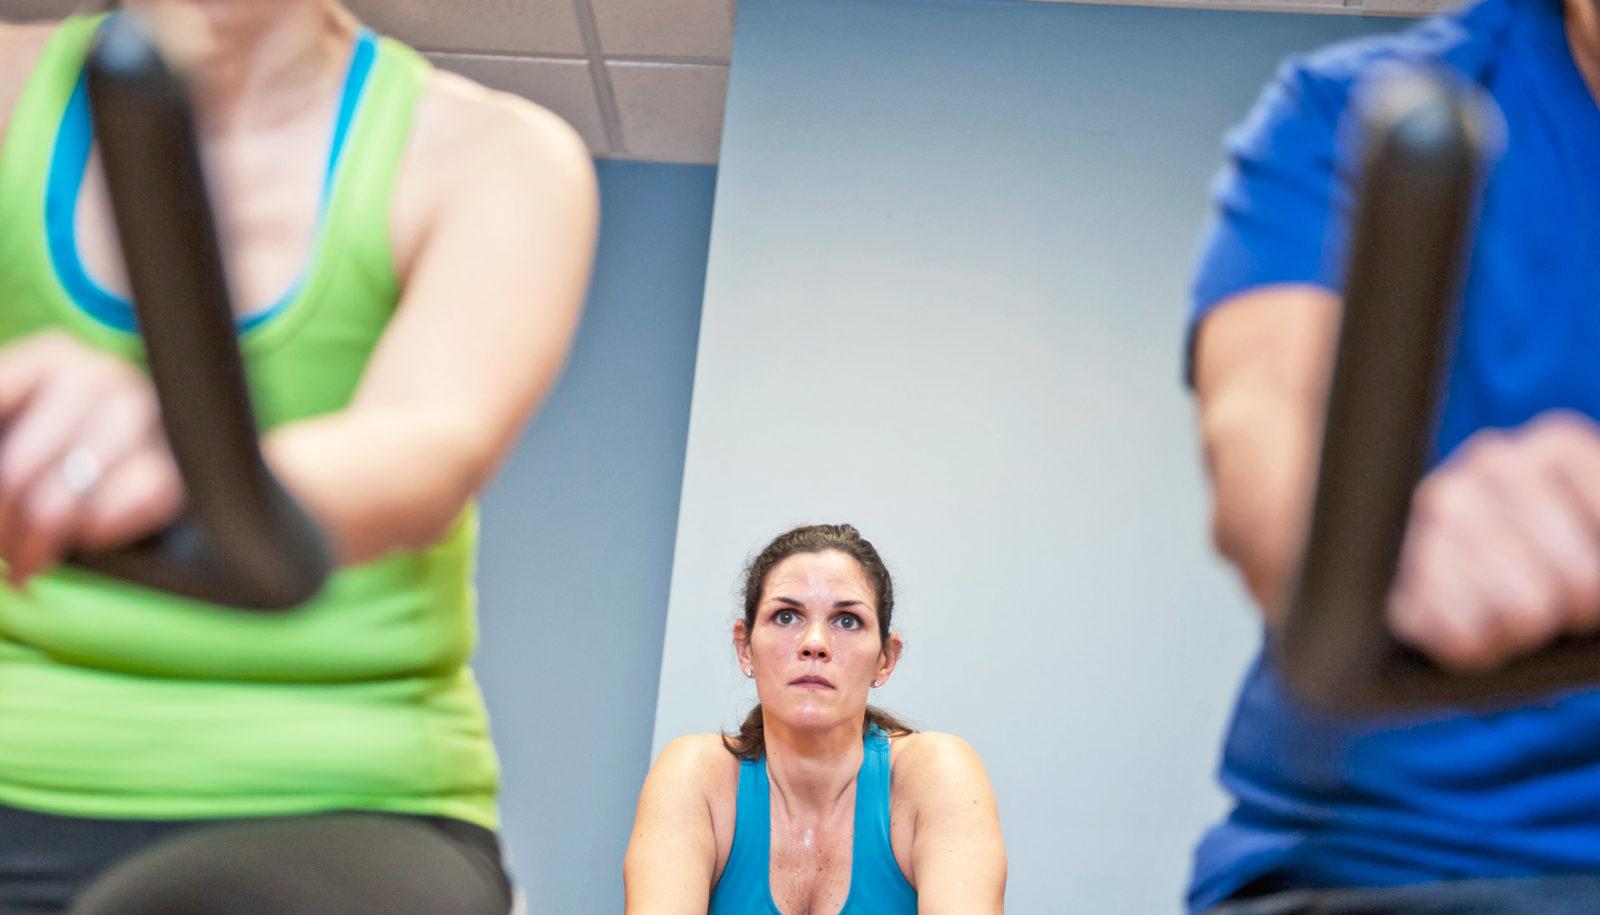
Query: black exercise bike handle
[[244, 541], [1426, 149]]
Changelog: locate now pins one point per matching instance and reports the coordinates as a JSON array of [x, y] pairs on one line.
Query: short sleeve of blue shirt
[[1275, 199], [1279, 202], [1283, 201]]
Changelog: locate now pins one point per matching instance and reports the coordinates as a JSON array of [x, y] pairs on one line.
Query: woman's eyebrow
[[837, 605]]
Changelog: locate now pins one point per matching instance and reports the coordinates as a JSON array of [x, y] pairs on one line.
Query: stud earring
[[877, 683], [749, 671]]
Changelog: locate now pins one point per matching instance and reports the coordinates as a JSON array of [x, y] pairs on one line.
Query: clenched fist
[[1502, 553]]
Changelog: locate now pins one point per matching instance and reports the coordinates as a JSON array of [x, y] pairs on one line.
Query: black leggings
[[334, 862]]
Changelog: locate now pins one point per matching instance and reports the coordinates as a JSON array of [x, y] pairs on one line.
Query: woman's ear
[[741, 647], [889, 658]]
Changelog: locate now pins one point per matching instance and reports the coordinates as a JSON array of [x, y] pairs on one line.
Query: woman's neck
[[254, 64], [812, 771]]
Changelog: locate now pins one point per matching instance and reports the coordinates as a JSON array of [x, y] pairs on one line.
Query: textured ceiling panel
[[681, 28], [639, 79], [531, 27], [1408, 7], [670, 112], [564, 86]]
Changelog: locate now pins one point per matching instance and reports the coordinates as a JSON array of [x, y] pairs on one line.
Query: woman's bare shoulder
[[468, 141], [698, 761], [18, 36], [458, 117], [926, 760], [918, 744]]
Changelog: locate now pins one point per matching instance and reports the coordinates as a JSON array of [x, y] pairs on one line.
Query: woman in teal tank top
[[821, 804], [409, 254]]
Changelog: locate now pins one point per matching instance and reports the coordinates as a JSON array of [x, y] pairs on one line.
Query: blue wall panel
[[577, 546]]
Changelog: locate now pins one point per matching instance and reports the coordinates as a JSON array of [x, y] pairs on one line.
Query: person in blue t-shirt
[[1453, 810]]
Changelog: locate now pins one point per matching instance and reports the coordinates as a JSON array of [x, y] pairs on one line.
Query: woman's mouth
[[812, 682]]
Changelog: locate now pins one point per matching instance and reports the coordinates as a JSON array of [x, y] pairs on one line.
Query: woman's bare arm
[[491, 302], [958, 856], [672, 856], [491, 299]]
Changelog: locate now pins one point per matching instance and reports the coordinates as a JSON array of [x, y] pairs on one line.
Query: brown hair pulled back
[[750, 743]]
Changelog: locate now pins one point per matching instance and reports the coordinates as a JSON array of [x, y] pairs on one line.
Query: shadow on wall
[[577, 547]]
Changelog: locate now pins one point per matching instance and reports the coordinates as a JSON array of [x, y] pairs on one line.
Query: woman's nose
[[815, 645]]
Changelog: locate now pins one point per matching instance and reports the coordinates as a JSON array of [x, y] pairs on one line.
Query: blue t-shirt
[[1324, 802]]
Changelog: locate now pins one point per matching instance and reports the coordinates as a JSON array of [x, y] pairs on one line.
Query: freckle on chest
[[810, 867]]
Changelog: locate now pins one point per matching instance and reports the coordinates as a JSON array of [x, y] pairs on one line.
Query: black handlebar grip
[[244, 541], [1417, 200], [1427, 144]]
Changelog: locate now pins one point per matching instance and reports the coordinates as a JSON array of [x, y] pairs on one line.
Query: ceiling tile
[[531, 27], [684, 28], [36, 9], [670, 112], [564, 86], [1408, 7]]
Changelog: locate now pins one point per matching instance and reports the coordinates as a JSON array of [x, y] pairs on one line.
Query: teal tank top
[[877, 887]]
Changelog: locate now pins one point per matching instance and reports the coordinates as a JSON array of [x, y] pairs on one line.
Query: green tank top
[[122, 702]]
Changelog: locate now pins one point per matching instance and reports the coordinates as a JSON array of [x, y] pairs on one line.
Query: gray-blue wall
[[1028, 178], [577, 547], [945, 302]]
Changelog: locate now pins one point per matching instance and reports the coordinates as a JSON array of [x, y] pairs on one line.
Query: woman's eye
[[849, 622], [783, 617]]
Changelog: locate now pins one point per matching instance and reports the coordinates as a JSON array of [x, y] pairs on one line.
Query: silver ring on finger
[[81, 470]]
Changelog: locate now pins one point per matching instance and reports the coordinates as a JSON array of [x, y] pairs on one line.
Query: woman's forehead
[[819, 574]]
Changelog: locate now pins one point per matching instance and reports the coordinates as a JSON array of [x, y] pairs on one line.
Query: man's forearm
[[1262, 362], [1261, 451]]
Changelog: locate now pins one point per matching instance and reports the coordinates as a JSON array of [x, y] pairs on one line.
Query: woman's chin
[[811, 716]]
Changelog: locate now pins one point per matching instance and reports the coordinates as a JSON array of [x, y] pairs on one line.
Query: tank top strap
[[376, 130], [25, 156], [744, 886], [876, 882], [351, 278], [28, 284]]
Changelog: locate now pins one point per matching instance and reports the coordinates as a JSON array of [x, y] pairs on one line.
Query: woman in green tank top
[[409, 254]]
